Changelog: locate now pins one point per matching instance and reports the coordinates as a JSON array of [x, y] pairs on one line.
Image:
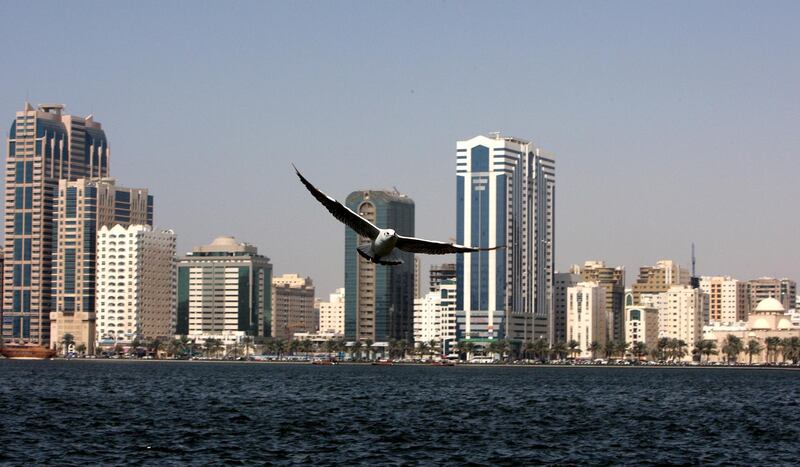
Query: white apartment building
[[435, 316], [641, 325], [586, 316], [136, 293], [727, 299], [331, 313]]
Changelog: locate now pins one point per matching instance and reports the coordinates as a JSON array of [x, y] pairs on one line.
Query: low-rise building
[[768, 320], [331, 313]]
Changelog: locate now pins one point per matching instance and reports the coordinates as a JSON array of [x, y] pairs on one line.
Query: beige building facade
[[586, 316], [612, 279], [292, 306], [727, 300], [331, 313], [658, 279], [641, 325], [768, 319], [83, 207], [135, 284]]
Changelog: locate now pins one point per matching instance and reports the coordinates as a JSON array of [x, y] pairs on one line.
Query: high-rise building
[[659, 278], [84, 206], [727, 299], [586, 316], [505, 195], [435, 316], [562, 281], [292, 306], [379, 299], [417, 277], [331, 313], [612, 279], [641, 325], [784, 290], [682, 318], [135, 284], [44, 146], [440, 273], [224, 291]]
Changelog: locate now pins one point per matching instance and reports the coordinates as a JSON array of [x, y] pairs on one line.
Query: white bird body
[[383, 241]]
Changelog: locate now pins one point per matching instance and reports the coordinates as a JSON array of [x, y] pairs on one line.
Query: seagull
[[383, 241]]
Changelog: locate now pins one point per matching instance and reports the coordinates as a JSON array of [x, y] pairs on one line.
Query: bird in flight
[[383, 241]]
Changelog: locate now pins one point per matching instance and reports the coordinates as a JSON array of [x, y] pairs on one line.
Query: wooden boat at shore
[[26, 351]]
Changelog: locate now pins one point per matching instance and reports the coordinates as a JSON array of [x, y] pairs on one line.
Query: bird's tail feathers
[[366, 252]]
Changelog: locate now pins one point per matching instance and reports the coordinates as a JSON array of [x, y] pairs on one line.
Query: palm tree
[[118, 349], [355, 352], [248, 344], [135, 344], [368, 343], [294, 346], [791, 349], [574, 347], [559, 350], [639, 349], [662, 348], [81, 349], [732, 347], [175, 347], [154, 346], [465, 347], [610, 348], [421, 349], [773, 343], [306, 346], [67, 340], [706, 347], [540, 348], [594, 347], [435, 346], [622, 348], [753, 348]]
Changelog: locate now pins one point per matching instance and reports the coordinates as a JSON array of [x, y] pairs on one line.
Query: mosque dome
[[785, 323], [224, 240], [770, 305]]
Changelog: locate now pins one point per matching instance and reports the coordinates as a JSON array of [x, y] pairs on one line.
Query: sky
[[671, 122]]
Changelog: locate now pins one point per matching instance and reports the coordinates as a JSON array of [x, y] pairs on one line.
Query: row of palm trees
[[733, 346], [666, 349]]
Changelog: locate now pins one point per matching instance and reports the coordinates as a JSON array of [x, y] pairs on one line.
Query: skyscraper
[[505, 195], [135, 284], [224, 291], [379, 300], [84, 206], [44, 146]]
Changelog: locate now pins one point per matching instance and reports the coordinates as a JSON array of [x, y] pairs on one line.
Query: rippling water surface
[[110, 412]]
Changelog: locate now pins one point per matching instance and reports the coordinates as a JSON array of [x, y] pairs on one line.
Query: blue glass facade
[[379, 299]]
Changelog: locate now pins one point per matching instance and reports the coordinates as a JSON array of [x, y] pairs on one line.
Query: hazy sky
[[671, 122]]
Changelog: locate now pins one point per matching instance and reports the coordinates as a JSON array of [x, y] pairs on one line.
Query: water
[[118, 412]]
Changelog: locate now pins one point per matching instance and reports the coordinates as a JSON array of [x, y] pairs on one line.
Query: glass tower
[[379, 300], [44, 146], [505, 195]]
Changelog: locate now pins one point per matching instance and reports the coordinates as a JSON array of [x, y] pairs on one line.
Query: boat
[[324, 362], [385, 362], [27, 352], [443, 363]]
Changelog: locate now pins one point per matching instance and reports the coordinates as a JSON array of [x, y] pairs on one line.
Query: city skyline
[[683, 115]]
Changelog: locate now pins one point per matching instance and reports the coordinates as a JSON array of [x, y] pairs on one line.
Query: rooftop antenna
[[496, 134], [694, 272]]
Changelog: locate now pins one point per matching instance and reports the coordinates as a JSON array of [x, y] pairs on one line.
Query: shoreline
[[468, 365]]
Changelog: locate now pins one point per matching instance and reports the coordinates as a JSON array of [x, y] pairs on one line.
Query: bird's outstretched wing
[[345, 215], [431, 247]]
